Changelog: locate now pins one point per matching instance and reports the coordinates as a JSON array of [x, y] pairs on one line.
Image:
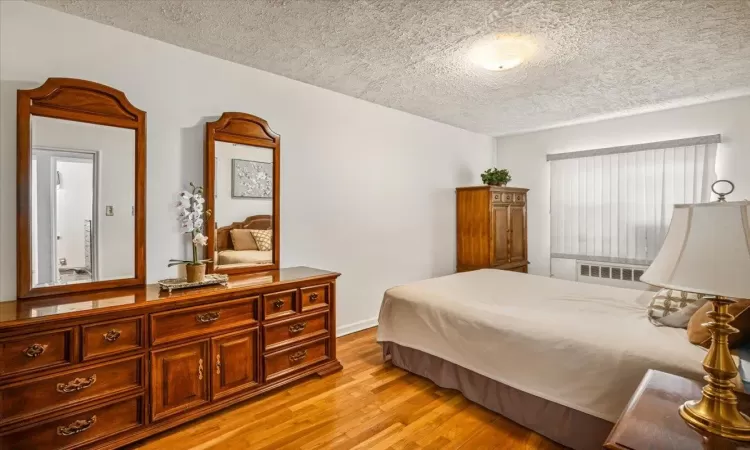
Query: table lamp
[[707, 251]]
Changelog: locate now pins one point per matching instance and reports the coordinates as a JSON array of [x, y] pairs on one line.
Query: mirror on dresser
[[242, 193], [81, 177]]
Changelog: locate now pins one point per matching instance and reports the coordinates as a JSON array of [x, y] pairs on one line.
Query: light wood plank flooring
[[368, 405]]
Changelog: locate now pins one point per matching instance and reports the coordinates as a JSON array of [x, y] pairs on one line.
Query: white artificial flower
[[199, 239], [186, 195], [198, 223], [198, 207], [198, 198], [187, 224], [183, 203]]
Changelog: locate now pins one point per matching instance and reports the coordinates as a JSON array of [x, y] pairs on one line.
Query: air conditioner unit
[[611, 274]]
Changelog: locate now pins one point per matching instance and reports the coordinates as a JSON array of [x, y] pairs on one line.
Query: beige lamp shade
[[706, 251]]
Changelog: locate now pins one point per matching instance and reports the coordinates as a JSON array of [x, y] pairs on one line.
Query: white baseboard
[[343, 330]]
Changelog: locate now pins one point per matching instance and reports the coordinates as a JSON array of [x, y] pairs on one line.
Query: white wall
[[525, 154], [365, 190], [227, 208]]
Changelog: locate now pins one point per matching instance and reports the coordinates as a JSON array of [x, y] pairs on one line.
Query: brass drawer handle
[[76, 385], [200, 369], [207, 317], [313, 297], [218, 365], [298, 356], [79, 426], [278, 303], [35, 350], [112, 335], [297, 327]]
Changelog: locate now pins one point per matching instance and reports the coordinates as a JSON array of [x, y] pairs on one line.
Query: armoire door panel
[[502, 228], [234, 365], [179, 378], [517, 220]]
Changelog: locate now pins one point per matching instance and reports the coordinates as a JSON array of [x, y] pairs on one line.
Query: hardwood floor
[[368, 405]]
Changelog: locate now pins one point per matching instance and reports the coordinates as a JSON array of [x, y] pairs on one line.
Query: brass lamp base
[[733, 424], [716, 412]]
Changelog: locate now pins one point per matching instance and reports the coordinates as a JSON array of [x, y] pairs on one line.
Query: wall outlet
[[109, 210]]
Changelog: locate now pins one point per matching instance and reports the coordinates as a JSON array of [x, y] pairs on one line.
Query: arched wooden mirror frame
[[88, 102], [245, 129]]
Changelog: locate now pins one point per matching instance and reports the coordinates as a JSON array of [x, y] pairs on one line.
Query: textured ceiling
[[596, 58]]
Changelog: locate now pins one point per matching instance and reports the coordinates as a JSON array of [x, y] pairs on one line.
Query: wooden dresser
[[102, 370], [491, 228]]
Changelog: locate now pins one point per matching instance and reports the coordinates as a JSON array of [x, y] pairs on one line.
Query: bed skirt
[[559, 423]]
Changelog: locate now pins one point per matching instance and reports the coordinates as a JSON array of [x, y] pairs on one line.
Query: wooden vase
[[196, 273]]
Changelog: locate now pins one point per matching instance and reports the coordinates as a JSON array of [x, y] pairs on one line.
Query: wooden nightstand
[[651, 420]]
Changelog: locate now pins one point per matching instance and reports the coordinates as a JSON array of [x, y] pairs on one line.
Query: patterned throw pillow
[[673, 308], [264, 239]]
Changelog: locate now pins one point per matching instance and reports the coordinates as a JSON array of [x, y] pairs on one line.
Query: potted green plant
[[495, 177]]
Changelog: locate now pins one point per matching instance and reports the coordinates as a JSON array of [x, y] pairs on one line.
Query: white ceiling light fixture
[[502, 52]]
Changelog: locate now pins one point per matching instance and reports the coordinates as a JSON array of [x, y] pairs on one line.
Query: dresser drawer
[[280, 304], [296, 329], [76, 430], [502, 197], [286, 362], [46, 394], [314, 297], [184, 323], [111, 338], [38, 351]]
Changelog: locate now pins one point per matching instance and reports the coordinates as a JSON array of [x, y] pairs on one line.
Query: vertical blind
[[616, 204]]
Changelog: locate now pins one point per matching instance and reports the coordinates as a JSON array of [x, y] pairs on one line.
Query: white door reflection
[[63, 192]]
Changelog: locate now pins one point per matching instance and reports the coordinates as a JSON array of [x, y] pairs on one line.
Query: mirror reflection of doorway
[[64, 189]]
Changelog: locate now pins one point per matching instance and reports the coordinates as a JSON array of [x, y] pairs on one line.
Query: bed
[[559, 357], [226, 255]]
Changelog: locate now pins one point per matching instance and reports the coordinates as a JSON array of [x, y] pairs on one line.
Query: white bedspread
[[244, 257], [580, 345]]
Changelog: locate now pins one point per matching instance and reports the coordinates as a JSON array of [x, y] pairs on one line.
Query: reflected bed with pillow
[[245, 243]]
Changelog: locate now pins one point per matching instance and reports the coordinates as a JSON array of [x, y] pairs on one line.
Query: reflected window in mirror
[[82, 202], [243, 202]]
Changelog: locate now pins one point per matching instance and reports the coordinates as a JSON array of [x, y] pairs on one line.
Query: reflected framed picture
[[252, 179]]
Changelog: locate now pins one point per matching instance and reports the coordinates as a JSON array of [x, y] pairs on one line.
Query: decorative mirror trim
[[246, 129], [79, 101]]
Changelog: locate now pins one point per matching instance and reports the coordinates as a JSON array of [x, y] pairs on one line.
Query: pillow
[[243, 239], [699, 335], [673, 308], [264, 239]]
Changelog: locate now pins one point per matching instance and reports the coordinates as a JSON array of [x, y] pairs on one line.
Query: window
[[615, 204]]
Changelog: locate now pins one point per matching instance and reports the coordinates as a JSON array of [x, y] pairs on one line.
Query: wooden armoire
[[491, 228]]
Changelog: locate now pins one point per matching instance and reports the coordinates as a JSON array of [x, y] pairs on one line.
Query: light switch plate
[[109, 210]]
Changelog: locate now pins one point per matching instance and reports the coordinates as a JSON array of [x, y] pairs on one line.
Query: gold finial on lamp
[[707, 251]]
